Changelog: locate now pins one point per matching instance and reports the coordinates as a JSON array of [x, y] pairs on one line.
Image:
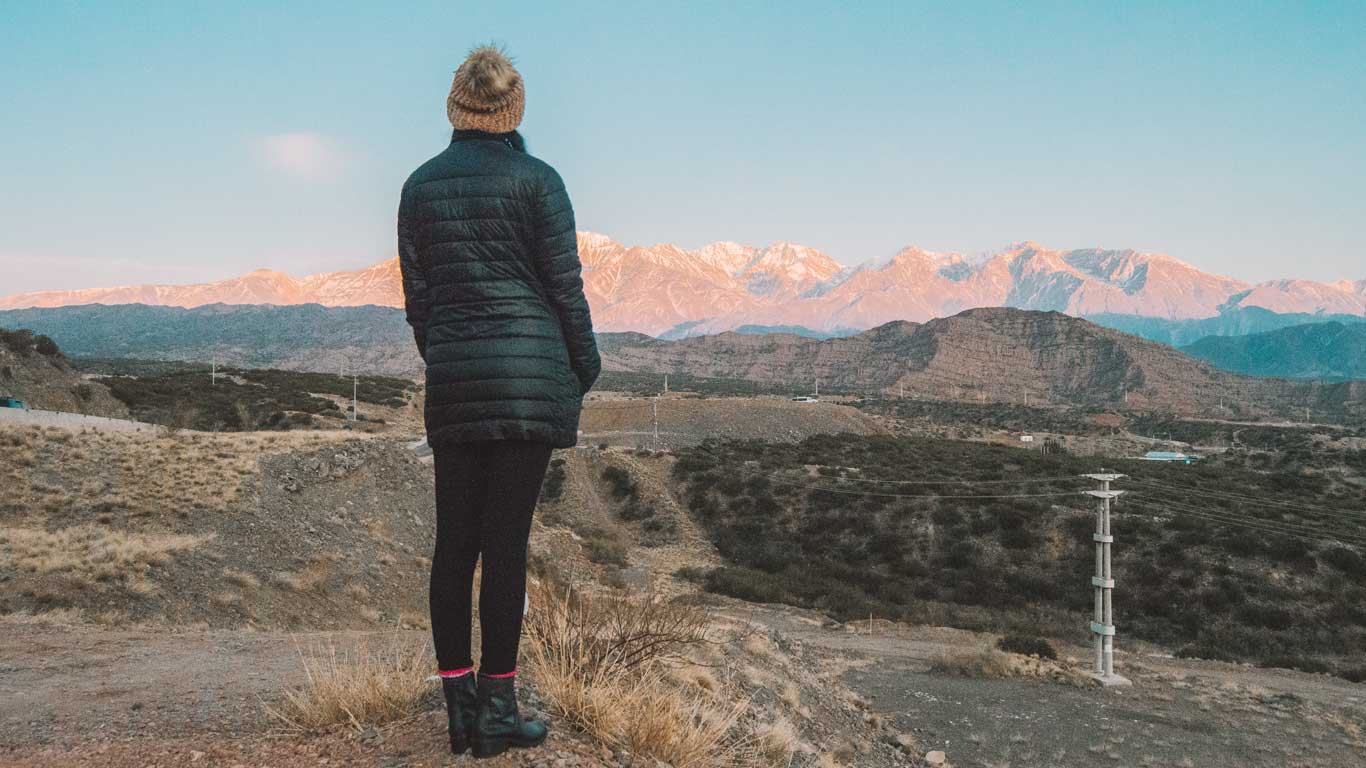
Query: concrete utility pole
[[355, 385], [654, 408], [1103, 622], [818, 387], [666, 383], [213, 372]]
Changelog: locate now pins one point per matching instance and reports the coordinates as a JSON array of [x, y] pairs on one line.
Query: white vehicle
[[805, 399]]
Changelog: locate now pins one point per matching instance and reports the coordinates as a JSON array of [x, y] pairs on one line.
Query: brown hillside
[[997, 355], [32, 369]]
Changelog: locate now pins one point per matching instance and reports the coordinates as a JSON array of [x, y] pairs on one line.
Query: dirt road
[[1177, 713]]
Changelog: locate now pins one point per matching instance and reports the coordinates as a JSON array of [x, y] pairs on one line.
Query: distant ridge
[[664, 290], [979, 355], [1330, 351]]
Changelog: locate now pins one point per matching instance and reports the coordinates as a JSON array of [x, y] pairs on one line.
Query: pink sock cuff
[[449, 673], [502, 676]]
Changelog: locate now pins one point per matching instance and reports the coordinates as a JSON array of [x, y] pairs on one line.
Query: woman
[[492, 288]]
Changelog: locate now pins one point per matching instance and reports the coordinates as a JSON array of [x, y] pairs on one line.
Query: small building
[[1026, 438], [804, 399]]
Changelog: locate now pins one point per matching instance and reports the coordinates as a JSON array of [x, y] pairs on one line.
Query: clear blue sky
[[176, 141]]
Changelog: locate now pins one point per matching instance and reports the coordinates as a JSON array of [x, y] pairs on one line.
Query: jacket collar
[[512, 139]]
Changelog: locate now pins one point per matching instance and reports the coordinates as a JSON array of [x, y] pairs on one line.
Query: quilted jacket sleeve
[[557, 263], [415, 299]]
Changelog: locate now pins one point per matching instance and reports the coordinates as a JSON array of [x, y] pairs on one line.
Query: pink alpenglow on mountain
[[662, 288]]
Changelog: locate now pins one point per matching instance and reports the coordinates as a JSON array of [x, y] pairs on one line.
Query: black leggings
[[485, 495]]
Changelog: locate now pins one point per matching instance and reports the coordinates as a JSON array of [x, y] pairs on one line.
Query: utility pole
[[355, 386], [666, 383], [213, 372], [654, 408], [818, 388], [1103, 621]]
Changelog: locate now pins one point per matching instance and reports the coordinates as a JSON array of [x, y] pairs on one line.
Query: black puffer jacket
[[492, 287]]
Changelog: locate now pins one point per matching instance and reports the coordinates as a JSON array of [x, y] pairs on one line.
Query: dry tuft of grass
[[778, 742], [609, 665], [83, 555], [241, 579], [991, 664], [357, 687]]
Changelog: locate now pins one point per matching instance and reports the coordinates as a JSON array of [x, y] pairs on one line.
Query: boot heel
[[482, 748]]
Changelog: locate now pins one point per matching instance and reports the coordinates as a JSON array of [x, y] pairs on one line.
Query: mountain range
[[979, 355], [667, 291]]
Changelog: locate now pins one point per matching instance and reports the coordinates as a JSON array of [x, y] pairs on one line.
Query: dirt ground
[[72, 695], [631, 421], [1176, 713], [77, 695], [176, 682]]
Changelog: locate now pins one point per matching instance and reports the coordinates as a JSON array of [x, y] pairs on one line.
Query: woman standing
[[492, 287]]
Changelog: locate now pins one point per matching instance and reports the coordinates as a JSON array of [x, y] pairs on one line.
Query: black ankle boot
[[498, 725], [461, 704]]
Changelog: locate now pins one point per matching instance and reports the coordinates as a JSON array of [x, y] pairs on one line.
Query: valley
[[869, 578]]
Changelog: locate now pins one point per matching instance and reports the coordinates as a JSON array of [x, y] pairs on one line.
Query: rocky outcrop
[[33, 370]]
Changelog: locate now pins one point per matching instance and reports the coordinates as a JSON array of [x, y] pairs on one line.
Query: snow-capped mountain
[[662, 288]]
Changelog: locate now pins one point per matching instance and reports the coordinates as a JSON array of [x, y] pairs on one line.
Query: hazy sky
[[178, 142]]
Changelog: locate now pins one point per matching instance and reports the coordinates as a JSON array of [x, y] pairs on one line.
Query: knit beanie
[[486, 94]]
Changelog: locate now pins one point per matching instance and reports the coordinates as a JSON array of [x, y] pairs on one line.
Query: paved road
[[72, 421]]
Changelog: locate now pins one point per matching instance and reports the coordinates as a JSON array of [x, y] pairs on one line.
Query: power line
[[1261, 526], [853, 492], [1266, 523], [1226, 496], [1270, 525], [1238, 496], [1069, 479]]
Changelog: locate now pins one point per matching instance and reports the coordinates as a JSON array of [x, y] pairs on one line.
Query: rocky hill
[[663, 289], [33, 369], [995, 355], [307, 337], [1329, 351]]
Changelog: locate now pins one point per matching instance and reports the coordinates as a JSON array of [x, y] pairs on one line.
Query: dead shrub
[[361, 686], [991, 664], [603, 664]]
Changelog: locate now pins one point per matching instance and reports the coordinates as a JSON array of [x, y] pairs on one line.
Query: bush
[[1353, 674], [1345, 560], [355, 687], [746, 584], [1312, 666], [602, 664], [45, 346], [553, 487], [620, 483], [1027, 646]]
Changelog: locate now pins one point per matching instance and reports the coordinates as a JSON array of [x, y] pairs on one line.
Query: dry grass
[[85, 554], [109, 471], [361, 686], [778, 741], [241, 579], [608, 666], [991, 664]]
